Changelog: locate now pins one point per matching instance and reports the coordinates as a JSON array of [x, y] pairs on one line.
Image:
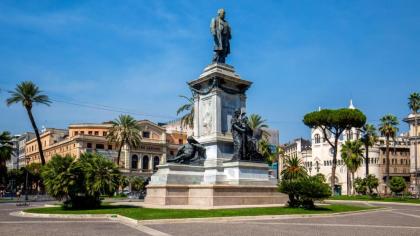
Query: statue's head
[[237, 113], [221, 13]]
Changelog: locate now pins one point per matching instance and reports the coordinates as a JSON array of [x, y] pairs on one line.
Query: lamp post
[[26, 181]]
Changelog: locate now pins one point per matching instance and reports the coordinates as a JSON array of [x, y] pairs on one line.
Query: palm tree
[[414, 104], [293, 169], [6, 148], [255, 121], [268, 151], [352, 155], [388, 128], [188, 118], [29, 94], [124, 131], [369, 138]]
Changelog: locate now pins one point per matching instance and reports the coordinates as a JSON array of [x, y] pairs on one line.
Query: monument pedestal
[[243, 183], [218, 93]]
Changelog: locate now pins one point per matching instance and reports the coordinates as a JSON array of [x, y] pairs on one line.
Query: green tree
[[388, 128], [124, 131], [29, 94], [137, 183], [360, 185], [34, 180], [6, 150], [188, 118], [58, 179], [80, 182], [101, 175], [352, 155], [369, 138], [268, 151], [255, 121], [372, 183], [303, 191], [414, 105], [397, 184], [293, 168], [333, 123]]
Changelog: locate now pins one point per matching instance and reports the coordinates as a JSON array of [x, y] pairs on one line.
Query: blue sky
[[138, 55]]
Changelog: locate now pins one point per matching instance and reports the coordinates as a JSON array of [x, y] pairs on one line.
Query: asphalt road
[[397, 220]]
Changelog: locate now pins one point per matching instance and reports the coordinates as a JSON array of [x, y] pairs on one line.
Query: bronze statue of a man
[[220, 30]]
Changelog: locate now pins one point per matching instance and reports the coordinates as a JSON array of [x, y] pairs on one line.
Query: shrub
[[137, 183], [80, 182], [397, 184], [372, 183], [304, 191], [360, 186]]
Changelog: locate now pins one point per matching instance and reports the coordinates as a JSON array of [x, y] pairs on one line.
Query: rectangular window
[[109, 147], [76, 133], [82, 132], [104, 133], [100, 146], [146, 134], [89, 145], [90, 132], [97, 133]]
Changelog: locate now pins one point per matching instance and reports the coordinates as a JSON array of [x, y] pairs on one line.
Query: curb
[[127, 220], [376, 202]]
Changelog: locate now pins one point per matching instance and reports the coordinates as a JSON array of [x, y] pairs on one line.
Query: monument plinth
[[218, 93]]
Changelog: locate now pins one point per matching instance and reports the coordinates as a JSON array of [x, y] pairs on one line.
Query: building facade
[[414, 151], [322, 157], [156, 145]]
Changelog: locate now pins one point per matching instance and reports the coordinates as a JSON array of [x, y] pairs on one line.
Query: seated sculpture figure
[[192, 153], [245, 139]]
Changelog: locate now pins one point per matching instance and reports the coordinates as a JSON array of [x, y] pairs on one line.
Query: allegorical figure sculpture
[[220, 30], [245, 139], [192, 153]]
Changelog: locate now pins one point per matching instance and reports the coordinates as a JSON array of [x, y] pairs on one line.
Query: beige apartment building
[[156, 146]]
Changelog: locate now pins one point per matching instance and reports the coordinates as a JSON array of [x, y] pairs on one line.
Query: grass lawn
[[149, 213], [381, 199]]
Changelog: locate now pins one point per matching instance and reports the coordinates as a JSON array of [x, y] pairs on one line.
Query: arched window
[[155, 162], [145, 163], [348, 134], [317, 138], [134, 162]]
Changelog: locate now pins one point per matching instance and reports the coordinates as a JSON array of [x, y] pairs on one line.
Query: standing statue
[[237, 131], [192, 153], [220, 30], [245, 139]]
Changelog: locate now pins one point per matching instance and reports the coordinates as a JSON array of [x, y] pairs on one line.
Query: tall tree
[[332, 124], [388, 128], [369, 138], [124, 131], [414, 104], [6, 150], [29, 94], [188, 118], [6, 147], [352, 155]]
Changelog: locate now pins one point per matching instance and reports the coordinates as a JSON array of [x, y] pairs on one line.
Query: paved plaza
[[395, 220]]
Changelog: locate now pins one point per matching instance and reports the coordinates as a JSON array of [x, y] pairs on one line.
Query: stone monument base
[[213, 195], [243, 183]]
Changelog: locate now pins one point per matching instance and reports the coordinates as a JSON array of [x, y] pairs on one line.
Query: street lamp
[[26, 181]]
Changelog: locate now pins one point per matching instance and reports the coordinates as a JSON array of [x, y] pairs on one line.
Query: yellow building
[[156, 146]]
